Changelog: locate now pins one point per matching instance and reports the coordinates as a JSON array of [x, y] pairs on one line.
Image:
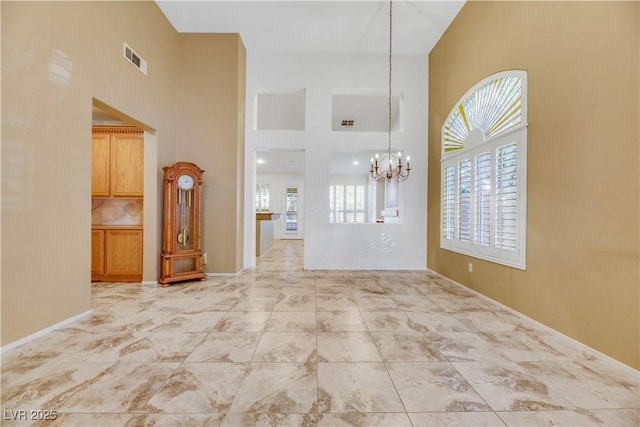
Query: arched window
[[484, 179]]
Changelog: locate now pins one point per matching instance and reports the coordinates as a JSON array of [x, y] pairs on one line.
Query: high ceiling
[[328, 26], [325, 26]]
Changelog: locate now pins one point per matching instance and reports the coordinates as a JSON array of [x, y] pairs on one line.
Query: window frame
[[344, 212], [263, 193], [475, 146]]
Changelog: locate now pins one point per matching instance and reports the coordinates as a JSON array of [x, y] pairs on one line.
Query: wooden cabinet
[[97, 253], [116, 254], [100, 164], [117, 188], [117, 162]]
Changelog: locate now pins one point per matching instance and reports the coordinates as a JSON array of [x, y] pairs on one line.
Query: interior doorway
[[280, 190], [133, 205], [294, 211]]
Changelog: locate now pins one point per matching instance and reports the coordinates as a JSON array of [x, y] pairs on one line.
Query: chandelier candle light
[[395, 170]]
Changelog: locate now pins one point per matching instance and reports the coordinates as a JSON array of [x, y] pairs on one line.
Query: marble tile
[[255, 304], [283, 388], [376, 303], [292, 321], [466, 347], [435, 321], [434, 387], [91, 387], [69, 419], [198, 388], [269, 419], [356, 387], [333, 290], [525, 386], [170, 420], [369, 291], [406, 346], [296, 300], [387, 321], [286, 347], [257, 292], [238, 321], [413, 303], [458, 419], [347, 347], [336, 303], [199, 322], [364, 419], [488, 321], [450, 300], [46, 350], [150, 347], [226, 347], [278, 345], [581, 417], [340, 321]]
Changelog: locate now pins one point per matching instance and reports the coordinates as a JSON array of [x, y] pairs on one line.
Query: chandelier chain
[[392, 167], [390, 52]]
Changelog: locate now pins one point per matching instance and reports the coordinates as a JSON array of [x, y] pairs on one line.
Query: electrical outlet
[[204, 258], [470, 268]]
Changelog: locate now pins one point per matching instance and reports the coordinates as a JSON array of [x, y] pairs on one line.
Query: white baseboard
[[149, 282], [582, 345], [223, 274], [44, 331]]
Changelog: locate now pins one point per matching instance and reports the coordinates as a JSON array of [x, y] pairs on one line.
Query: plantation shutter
[[464, 200], [449, 202], [484, 171], [506, 196], [482, 211], [360, 203]]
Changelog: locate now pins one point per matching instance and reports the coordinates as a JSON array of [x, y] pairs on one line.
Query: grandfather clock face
[[181, 246]]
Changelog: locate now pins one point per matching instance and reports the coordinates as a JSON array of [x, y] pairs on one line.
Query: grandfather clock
[[181, 238]]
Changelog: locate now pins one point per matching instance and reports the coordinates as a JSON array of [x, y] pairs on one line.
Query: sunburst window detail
[[484, 172], [493, 107]]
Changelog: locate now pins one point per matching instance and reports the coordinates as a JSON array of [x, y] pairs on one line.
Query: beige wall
[[211, 121], [57, 57], [583, 183]]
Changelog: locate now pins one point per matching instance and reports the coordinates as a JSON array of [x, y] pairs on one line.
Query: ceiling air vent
[[135, 59], [347, 123]]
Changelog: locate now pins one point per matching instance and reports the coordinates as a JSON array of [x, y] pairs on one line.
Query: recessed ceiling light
[[355, 162], [260, 161]]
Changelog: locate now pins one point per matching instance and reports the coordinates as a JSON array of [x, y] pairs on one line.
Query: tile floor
[[282, 346]]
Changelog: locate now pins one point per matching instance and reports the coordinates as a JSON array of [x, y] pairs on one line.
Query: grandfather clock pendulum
[[181, 238]]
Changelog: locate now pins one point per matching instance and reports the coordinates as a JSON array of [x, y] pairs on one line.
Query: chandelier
[[390, 167]]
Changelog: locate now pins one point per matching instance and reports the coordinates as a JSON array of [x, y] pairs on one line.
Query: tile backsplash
[[116, 211]]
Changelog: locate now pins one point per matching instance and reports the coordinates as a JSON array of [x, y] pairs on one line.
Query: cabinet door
[[97, 253], [124, 254], [127, 165], [100, 154]]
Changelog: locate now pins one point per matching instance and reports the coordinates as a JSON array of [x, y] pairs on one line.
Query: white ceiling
[[327, 26], [321, 26], [288, 162]]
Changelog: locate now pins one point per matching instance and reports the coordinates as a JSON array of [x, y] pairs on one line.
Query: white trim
[[518, 257], [224, 274], [149, 282], [44, 331], [474, 144], [559, 334]]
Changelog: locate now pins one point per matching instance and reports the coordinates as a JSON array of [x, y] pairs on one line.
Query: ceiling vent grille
[[135, 59], [347, 123]]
